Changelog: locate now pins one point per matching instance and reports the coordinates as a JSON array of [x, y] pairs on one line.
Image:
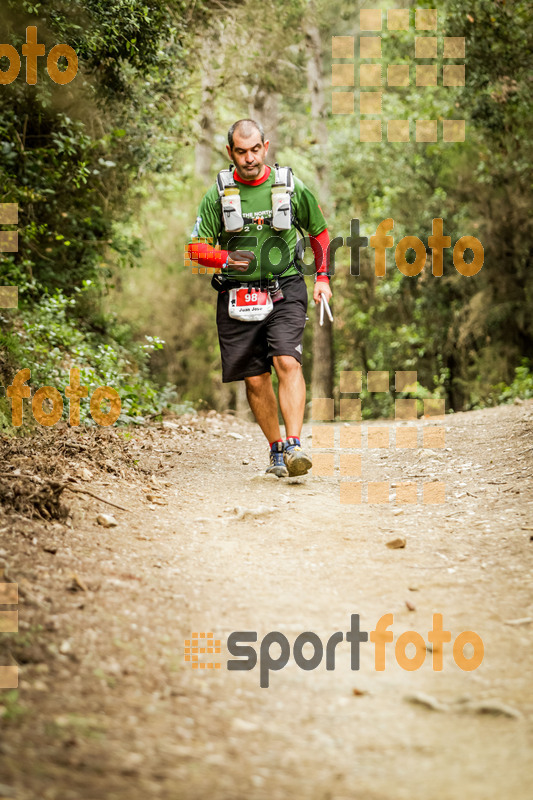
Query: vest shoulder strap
[[225, 180], [284, 177]]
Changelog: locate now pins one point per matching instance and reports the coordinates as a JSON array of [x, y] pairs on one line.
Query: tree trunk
[[204, 160], [265, 110], [323, 360], [206, 120]]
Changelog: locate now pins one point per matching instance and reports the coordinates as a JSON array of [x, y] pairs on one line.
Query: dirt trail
[[107, 708]]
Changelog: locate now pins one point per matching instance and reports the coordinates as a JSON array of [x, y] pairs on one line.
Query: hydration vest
[[230, 200]]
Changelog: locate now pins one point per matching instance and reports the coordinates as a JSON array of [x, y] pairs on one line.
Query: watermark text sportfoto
[[380, 242], [275, 649]]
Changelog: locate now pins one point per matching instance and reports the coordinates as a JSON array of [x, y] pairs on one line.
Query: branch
[[75, 489], [79, 490]]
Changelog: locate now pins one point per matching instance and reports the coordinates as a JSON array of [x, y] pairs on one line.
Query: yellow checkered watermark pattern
[[373, 77], [191, 258], [199, 647], [9, 675], [403, 435], [9, 243]]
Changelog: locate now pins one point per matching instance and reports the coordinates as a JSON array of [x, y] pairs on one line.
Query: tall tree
[[323, 359], [207, 114]]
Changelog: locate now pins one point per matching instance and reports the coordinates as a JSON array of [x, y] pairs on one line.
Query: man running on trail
[[252, 212]]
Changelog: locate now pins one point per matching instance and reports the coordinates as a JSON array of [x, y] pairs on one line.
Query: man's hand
[[321, 287], [240, 260]]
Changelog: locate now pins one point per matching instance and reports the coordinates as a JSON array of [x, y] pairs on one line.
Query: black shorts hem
[[241, 377], [283, 352]]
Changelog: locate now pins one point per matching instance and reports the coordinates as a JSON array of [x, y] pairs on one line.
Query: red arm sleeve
[[206, 255], [320, 246]]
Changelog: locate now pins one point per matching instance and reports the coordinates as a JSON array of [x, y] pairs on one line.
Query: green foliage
[[10, 707], [521, 387], [463, 335], [49, 341], [68, 156]]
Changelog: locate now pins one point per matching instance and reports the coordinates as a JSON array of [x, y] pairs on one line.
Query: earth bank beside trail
[[106, 705]]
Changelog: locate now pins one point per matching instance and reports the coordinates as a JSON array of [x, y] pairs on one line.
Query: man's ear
[[229, 152], [266, 146]]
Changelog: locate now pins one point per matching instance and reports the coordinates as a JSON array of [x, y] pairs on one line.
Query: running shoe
[[277, 464], [297, 462]]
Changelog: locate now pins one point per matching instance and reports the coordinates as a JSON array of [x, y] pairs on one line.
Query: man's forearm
[[320, 247], [206, 255]]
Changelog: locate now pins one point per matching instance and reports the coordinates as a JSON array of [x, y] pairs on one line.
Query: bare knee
[[286, 364], [256, 383]]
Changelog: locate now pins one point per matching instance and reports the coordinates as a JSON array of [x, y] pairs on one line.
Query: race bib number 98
[[249, 305]]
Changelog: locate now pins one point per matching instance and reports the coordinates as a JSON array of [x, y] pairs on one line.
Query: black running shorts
[[247, 348]]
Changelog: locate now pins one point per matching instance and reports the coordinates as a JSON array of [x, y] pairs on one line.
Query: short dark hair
[[246, 125]]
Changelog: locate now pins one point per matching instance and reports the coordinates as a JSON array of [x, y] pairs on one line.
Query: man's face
[[248, 155]]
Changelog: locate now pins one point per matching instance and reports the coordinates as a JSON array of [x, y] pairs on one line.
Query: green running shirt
[[273, 250]]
